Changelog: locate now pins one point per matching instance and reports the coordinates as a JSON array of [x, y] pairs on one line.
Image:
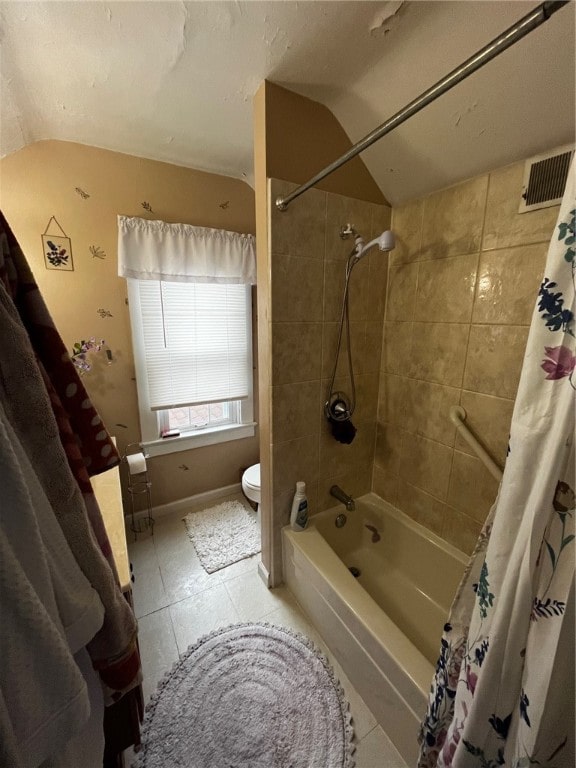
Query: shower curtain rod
[[522, 27]]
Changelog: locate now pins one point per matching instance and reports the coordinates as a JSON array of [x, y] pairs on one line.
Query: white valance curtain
[[155, 250]]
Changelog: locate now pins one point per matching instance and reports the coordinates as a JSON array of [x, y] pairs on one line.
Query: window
[[193, 354]]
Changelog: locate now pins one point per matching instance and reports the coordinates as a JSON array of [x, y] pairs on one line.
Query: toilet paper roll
[[136, 463]]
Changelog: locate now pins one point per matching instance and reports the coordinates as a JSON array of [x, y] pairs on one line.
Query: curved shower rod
[[516, 32]]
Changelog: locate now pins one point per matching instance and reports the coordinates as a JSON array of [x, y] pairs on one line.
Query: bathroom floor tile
[[148, 591], [252, 599], [178, 603], [376, 750], [201, 614], [158, 648]]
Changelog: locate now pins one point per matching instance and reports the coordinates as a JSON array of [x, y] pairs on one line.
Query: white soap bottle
[[299, 513]]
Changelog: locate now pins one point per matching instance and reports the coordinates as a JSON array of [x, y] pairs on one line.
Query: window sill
[[199, 439]]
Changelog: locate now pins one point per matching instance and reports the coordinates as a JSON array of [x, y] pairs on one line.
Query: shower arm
[[508, 38]]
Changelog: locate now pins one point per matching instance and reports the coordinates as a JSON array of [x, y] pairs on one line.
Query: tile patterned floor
[[176, 602]]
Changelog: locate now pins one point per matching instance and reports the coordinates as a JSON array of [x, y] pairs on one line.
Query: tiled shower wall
[[307, 278], [462, 286]]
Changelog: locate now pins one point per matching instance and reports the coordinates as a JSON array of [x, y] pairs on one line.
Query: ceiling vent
[[545, 179]]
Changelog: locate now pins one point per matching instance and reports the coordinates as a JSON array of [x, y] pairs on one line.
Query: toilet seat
[[251, 483]]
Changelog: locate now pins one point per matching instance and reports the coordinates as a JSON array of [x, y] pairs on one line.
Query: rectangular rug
[[223, 534]]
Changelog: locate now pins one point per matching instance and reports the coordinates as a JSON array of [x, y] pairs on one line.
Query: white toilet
[[251, 485]]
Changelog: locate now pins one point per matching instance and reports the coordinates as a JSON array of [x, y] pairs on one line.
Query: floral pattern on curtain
[[503, 692]]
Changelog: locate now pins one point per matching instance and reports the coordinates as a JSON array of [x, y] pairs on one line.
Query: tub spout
[[339, 494]]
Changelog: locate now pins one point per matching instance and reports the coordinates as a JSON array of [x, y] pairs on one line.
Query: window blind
[[197, 342]]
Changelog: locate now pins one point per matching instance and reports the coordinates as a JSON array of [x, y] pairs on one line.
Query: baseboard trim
[[263, 573], [181, 505]]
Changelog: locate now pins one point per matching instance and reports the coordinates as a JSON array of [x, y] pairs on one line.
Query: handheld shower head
[[385, 242]]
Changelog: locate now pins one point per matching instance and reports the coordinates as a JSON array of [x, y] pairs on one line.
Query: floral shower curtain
[[503, 692]]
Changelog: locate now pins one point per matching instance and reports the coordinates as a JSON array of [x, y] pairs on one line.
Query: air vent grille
[[545, 179]]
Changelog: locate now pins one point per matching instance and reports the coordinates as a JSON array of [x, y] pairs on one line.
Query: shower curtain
[[503, 692]]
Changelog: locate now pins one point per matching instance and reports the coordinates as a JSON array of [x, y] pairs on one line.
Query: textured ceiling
[[174, 81]]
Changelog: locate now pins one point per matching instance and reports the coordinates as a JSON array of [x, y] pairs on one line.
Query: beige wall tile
[[330, 347], [355, 482], [392, 400], [389, 448], [504, 226], [438, 352], [508, 282], [489, 419], [295, 460], [426, 409], [402, 281], [294, 410], [359, 291], [296, 289], [426, 464], [396, 347], [452, 221], [371, 357], [407, 226], [381, 219], [296, 352], [338, 458], [378, 281], [460, 530], [366, 397], [341, 211], [494, 360], [334, 281], [299, 230], [422, 507], [385, 485], [472, 488], [445, 292]]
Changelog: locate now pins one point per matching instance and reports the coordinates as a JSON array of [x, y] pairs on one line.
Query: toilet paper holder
[[138, 484]]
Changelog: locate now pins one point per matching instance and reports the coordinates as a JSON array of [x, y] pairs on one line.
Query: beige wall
[[462, 285], [40, 181], [303, 137]]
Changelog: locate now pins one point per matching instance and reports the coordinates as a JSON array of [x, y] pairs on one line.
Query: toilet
[[251, 485]]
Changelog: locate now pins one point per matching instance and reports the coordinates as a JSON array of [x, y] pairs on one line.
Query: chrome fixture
[[340, 521], [510, 36], [339, 494]]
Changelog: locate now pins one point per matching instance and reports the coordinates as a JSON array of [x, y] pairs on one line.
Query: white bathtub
[[384, 627]]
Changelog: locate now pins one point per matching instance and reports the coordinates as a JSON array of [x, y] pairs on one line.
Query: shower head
[[385, 242]]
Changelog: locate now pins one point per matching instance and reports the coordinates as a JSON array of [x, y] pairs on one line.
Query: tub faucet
[[339, 494]]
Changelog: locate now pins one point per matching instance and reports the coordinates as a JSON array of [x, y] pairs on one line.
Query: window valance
[[155, 250]]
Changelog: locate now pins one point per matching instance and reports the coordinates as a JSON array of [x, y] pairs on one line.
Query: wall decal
[[104, 313], [224, 205], [147, 207], [83, 195], [80, 352], [97, 252], [57, 249]]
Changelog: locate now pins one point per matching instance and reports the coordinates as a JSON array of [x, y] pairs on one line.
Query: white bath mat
[[223, 534]]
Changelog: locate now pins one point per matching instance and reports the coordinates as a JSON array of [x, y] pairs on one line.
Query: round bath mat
[[248, 696]]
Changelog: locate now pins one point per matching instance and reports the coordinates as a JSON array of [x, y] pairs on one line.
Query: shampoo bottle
[[299, 513]]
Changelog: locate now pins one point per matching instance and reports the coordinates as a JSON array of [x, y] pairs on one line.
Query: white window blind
[[197, 342]]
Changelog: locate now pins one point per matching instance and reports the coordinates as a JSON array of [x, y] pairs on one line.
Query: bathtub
[[384, 626]]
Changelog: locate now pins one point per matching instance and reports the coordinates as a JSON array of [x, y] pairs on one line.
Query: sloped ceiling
[[174, 81]]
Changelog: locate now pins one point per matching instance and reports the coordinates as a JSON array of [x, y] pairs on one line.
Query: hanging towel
[[49, 613], [24, 392]]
